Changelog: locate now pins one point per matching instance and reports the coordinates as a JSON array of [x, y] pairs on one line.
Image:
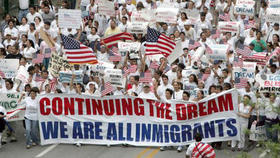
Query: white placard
[[129, 46], [68, 18], [193, 15], [176, 53], [106, 7], [144, 15], [244, 10], [246, 71], [168, 15], [115, 77], [8, 67], [245, 2], [273, 3], [219, 51], [272, 15], [225, 26], [99, 68], [137, 27]]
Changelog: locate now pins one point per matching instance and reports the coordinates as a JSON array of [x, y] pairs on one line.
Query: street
[[17, 149]]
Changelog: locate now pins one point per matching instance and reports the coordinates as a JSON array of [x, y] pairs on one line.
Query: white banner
[[144, 15], [115, 77], [85, 119], [273, 3], [168, 15], [106, 7], [14, 110], [8, 67], [272, 15], [244, 10], [246, 71], [137, 27], [232, 27], [269, 83], [66, 76], [69, 18], [219, 51]]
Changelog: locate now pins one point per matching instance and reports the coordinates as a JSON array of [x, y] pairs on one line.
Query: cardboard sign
[[225, 26], [272, 15], [69, 18], [247, 71], [57, 64], [66, 76], [219, 51], [99, 68], [8, 68], [245, 2], [193, 15], [176, 53], [115, 77], [106, 7], [137, 27], [244, 10], [268, 83], [129, 46], [15, 111], [168, 15]]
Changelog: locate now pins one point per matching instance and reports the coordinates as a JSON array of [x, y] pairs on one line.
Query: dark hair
[[30, 68], [58, 91], [10, 82], [277, 37], [187, 93], [34, 89], [27, 85], [227, 85], [47, 23], [184, 14], [247, 96], [45, 71], [38, 18], [197, 137], [32, 24], [136, 78], [4, 51], [202, 14], [209, 90], [32, 43], [124, 17], [170, 91], [164, 76], [194, 78], [32, 6]]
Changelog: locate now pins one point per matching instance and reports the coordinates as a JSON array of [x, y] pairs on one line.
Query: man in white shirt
[[163, 86], [146, 93], [93, 36], [275, 30], [23, 9], [123, 24], [32, 14]]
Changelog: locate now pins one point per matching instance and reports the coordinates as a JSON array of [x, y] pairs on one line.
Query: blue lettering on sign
[[157, 133], [175, 133], [197, 129], [63, 129], [137, 139], [186, 131], [128, 132], [49, 129], [220, 127], [88, 130], [166, 134], [77, 130], [229, 123], [209, 129], [146, 132], [112, 131], [121, 137], [98, 130]]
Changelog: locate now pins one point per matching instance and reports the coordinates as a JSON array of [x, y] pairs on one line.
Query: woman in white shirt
[[38, 23], [244, 112], [31, 118], [32, 33], [24, 27], [29, 50], [249, 38], [178, 92]]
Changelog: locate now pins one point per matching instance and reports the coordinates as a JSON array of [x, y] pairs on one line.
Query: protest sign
[[246, 71], [226, 26], [219, 52], [272, 15], [193, 14], [69, 18], [245, 2], [244, 10], [129, 46], [145, 15], [176, 53], [8, 67], [167, 15], [72, 118], [98, 69], [66, 76], [137, 27], [58, 63], [273, 4], [106, 7], [14, 110], [268, 83], [115, 77]]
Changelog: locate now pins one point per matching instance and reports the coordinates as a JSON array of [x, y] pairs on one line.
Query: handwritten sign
[[115, 77], [268, 83], [219, 51], [68, 18], [99, 68], [272, 15], [137, 27], [225, 26], [168, 15], [245, 2], [58, 64], [8, 67], [144, 15], [106, 8]]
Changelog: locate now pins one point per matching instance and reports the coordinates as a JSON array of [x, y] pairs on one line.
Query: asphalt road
[[18, 150]]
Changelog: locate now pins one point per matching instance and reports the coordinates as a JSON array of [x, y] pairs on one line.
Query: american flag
[[114, 39], [125, 71], [215, 33], [76, 52], [237, 62], [193, 44], [240, 82], [53, 84], [158, 43], [107, 88], [154, 65], [37, 58], [257, 56], [249, 24], [145, 77], [203, 150], [114, 57], [132, 68], [208, 49], [243, 50], [2, 74], [224, 16], [276, 52]]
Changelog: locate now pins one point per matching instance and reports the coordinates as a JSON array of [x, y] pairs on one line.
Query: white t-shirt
[[23, 29], [23, 4], [31, 108], [13, 32], [31, 17], [92, 37], [149, 95], [28, 52]]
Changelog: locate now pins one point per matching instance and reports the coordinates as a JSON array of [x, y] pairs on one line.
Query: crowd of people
[[21, 39]]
